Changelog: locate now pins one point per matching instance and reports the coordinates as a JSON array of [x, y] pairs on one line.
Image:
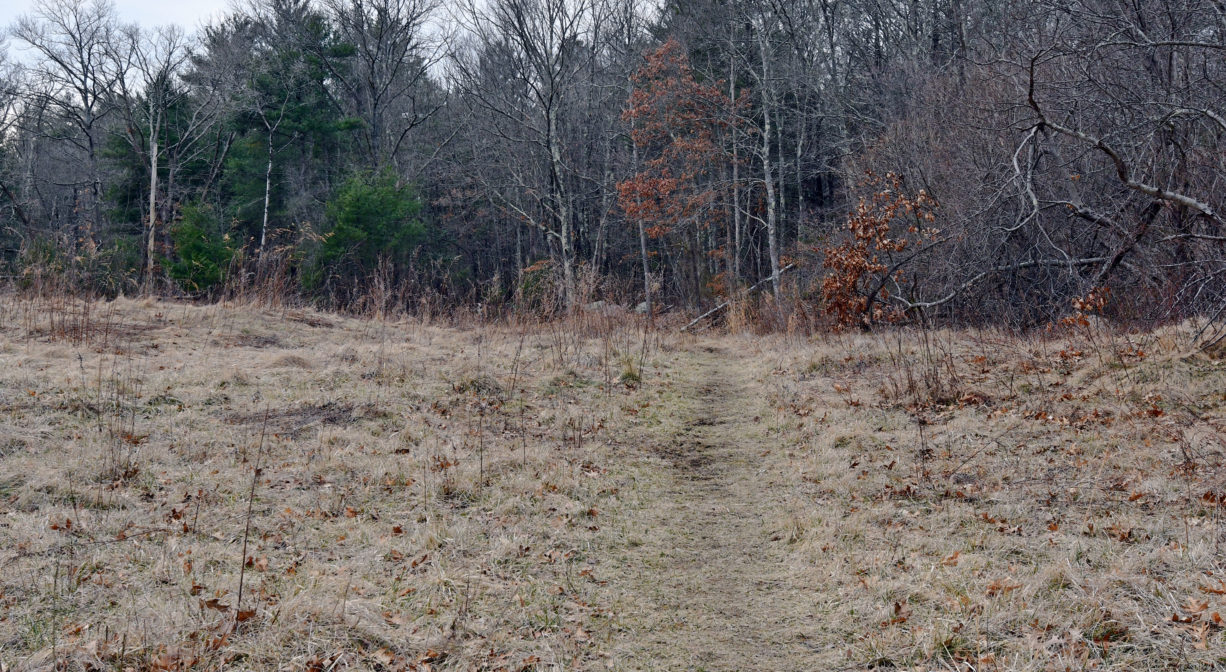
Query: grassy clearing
[[421, 494], [984, 502], [575, 496]]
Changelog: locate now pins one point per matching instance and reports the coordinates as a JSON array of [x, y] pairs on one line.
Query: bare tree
[[10, 111], [77, 68], [384, 78], [166, 119], [542, 49]]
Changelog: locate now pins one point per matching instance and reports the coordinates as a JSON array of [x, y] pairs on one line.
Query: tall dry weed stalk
[[256, 471], [921, 376]]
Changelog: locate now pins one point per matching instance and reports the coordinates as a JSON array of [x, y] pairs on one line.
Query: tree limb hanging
[[1038, 263], [1121, 167], [725, 304]]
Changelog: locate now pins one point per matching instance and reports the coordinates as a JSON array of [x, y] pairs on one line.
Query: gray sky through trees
[[148, 13]]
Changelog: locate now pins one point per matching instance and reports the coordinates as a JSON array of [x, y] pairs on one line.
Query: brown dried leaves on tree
[[861, 269], [676, 126]]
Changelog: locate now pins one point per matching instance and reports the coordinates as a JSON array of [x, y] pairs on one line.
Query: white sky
[[189, 14]]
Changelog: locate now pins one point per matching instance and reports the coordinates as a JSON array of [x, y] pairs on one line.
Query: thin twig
[[255, 478]]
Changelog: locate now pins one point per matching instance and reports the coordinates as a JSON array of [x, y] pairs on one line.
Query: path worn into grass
[[711, 572]]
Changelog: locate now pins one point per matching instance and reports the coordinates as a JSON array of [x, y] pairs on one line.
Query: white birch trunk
[[153, 199], [267, 199]]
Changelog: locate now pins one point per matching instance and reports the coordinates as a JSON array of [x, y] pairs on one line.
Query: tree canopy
[[678, 153]]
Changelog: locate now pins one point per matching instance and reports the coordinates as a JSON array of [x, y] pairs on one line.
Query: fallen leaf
[[1201, 632], [901, 612], [1001, 587], [166, 661], [1215, 591], [215, 604]]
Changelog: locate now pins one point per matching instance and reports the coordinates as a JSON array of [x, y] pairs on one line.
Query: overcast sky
[[148, 13]]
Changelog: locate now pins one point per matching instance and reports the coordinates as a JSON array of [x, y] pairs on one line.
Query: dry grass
[[574, 496], [983, 502], [422, 494]]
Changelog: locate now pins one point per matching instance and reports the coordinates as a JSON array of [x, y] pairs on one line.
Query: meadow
[[242, 486]]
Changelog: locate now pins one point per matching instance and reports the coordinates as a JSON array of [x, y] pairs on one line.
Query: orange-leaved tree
[[676, 125], [885, 229]]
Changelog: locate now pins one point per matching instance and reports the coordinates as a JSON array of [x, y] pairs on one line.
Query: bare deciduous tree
[[387, 50], [76, 70]]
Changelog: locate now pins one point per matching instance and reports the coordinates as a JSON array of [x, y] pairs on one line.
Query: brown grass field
[[235, 487]]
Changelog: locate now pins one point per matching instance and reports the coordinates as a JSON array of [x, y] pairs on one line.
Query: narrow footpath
[[710, 574]]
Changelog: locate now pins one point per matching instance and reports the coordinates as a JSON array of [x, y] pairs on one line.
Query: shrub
[[861, 269], [373, 217], [202, 249]]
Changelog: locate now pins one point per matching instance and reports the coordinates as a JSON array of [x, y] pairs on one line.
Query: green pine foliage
[[372, 218], [202, 249]]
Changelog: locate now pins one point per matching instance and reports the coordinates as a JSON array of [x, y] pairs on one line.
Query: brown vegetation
[[186, 486]]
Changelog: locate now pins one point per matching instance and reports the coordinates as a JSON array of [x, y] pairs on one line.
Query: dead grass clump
[[310, 318], [253, 340], [291, 362], [480, 385], [347, 355], [567, 380]]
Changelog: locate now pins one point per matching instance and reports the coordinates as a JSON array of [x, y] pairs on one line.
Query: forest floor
[[197, 487]]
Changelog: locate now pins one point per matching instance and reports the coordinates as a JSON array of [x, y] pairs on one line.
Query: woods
[[542, 154]]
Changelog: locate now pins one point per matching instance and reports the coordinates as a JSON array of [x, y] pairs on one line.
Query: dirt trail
[[711, 578]]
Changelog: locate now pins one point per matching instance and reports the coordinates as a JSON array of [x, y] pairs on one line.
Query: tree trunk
[[267, 199], [772, 217], [153, 198], [634, 159], [606, 206], [768, 178], [781, 206], [568, 257], [736, 187], [95, 194], [800, 187], [563, 213]]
